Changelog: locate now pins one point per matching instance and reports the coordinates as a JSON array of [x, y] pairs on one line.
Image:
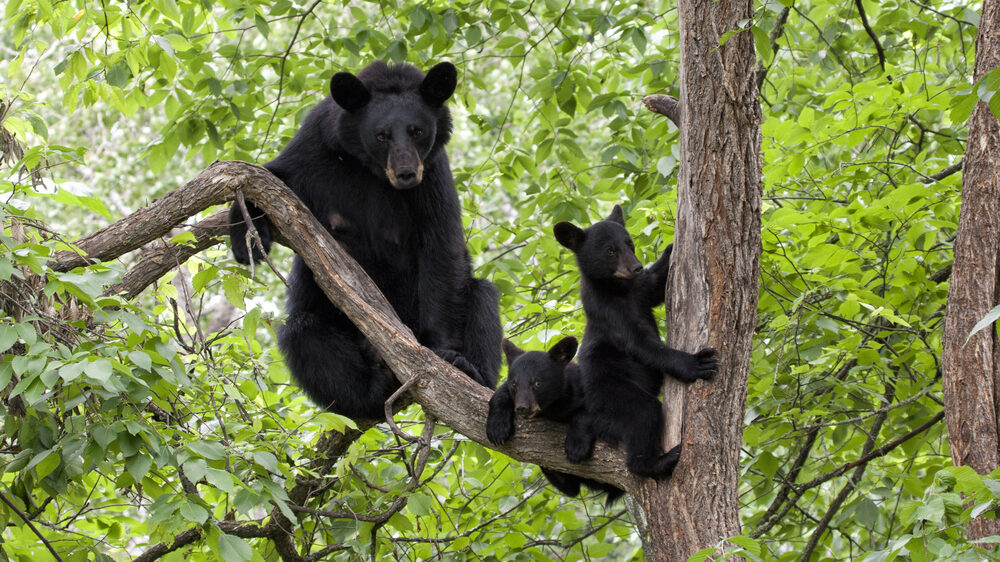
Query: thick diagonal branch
[[444, 392]]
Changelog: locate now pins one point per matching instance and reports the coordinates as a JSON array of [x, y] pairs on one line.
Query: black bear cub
[[546, 385], [369, 162], [622, 359]]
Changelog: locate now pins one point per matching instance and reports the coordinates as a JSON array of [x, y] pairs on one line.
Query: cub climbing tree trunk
[[712, 290], [971, 378]]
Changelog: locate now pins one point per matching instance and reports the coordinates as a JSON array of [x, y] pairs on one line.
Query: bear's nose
[[406, 175]]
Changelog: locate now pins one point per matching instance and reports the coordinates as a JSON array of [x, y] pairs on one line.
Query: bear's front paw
[[461, 363], [499, 429], [238, 242]]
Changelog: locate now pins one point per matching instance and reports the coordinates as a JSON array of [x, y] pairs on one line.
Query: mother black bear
[[369, 162]]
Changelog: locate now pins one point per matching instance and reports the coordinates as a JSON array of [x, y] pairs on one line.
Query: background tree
[[972, 364], [133, 425]]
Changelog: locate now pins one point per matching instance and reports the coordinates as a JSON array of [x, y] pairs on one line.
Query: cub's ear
[[439, 84], [349, 92], [511, 351], [617, 215], [569, 235], [563, 351]]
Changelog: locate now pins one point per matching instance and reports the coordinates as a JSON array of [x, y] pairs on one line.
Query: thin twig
[[252, 234], [31, 526], [388, 410], [871, 33]]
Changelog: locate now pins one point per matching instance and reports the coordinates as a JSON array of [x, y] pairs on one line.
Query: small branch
[[776, 33], [871, 33], [956, 167], [180, 541], [665, 105], [31, 526], [389, 410], [881, 451]]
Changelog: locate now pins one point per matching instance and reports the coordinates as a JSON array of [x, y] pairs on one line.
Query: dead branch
[[665, 105]]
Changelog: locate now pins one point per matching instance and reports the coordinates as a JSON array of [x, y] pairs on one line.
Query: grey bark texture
[[971, 367], [714, 275]]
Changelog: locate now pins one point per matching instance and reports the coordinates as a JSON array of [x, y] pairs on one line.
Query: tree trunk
[[712, 290], [972, 368]]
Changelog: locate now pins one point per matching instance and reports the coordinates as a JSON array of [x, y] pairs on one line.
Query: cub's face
[[603, 251], [397, 129], [537, 378]]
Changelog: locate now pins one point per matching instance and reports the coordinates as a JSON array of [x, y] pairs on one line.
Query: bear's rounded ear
[[563, 351], [617, 215], [511, 351], [439, 84], [569, 235], [349, 92]]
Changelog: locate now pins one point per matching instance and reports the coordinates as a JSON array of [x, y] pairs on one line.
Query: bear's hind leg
[[335, 367]]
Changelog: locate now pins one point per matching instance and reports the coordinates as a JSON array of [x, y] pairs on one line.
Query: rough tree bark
[[971, 378], [712, 290]]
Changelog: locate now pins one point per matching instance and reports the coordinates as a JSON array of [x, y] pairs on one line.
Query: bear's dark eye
[[382, 137], [612, 252], [416, 132], [535, 384]]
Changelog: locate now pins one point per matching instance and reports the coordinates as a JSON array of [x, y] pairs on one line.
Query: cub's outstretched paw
[[499, 428], [706, 363]]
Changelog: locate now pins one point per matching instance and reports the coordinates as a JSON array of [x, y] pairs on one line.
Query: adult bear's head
[[394, 118]]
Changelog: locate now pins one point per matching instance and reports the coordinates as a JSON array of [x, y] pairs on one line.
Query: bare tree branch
[[665, 105]]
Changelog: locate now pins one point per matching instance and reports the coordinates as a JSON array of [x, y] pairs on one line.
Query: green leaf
[[99, 370], [193, 512], [234, 549], [8, 335], [138, 465]]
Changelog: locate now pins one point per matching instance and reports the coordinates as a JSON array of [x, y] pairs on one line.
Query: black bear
[[369, 162], [622, 359], [547, 385]]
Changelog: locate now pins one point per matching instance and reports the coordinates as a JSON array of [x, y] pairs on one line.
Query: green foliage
[[126, 425]]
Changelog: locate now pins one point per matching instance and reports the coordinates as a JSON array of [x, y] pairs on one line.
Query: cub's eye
[[612, 252], [416, 132], [381, 137], [535, 384], [513, 386]]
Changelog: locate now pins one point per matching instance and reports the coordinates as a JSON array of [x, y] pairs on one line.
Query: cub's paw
[[706, 363], [701, 365], [578, 448], [499, 429], [666, 462]]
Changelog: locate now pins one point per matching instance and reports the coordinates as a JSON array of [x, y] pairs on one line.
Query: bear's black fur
[[547, 385], [622, 359], [369, 162]]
